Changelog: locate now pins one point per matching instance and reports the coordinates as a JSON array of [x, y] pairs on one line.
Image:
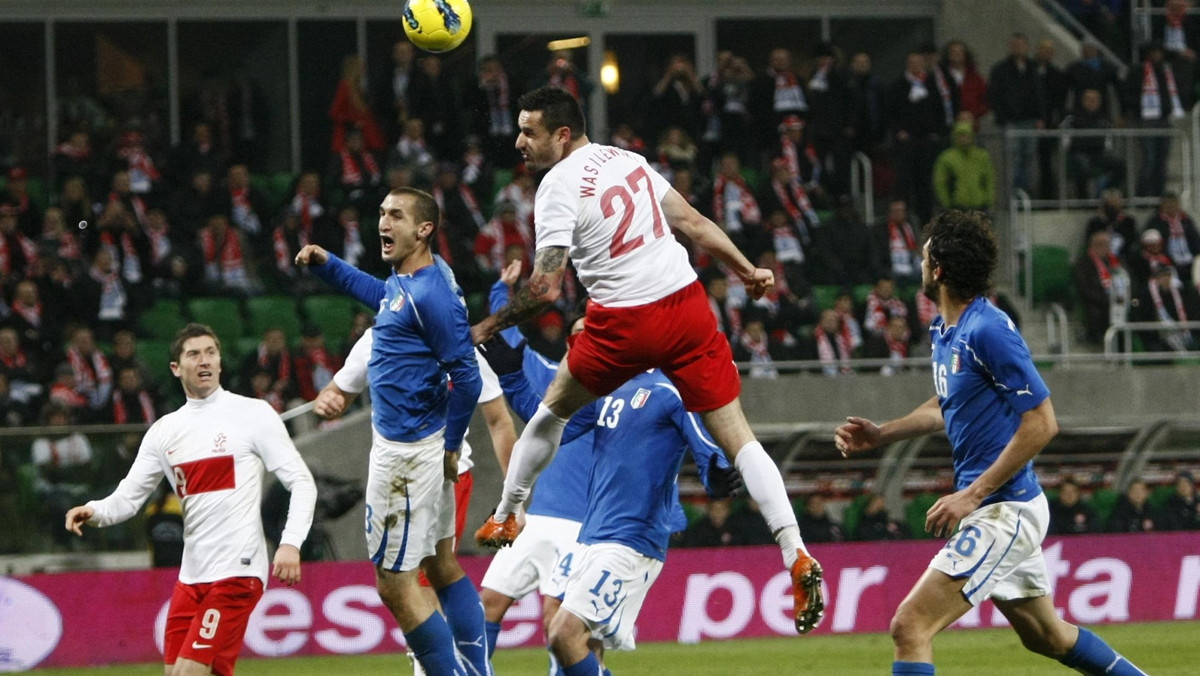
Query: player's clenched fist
[[329, 404], [312, 254], [287, 565], [759, 283], [77, 517]]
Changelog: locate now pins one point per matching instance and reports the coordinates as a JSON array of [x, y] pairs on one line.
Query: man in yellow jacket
[[963, 175]]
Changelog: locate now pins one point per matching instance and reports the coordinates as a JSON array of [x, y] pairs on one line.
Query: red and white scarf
[[112, 295], [833, 351], [283, 252], [30, 313], [142, 172], [1152, 98], [902, 245], [1176, 300], [121, 414], [760, 356], [794, 199], [352, 246], [497, 236], [223, 260], [15, 361], [91, 375], [851, 329], [307, 208], [734, 203], [125, 253], [791, 154], [789, 96], [242, 214], [1105, 265], [927, 310], [944, 92], [284, 371], [135, 204], [734, 315], [353, 168], [1176, 240], [878, 311], [500, 121], [28, 250]]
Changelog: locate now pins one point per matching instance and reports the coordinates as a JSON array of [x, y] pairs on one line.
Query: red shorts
[[677, 334], [462, 498], [206, 621]]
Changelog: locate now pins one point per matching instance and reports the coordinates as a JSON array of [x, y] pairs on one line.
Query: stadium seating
[[162, 320], [1104, 500], [825, 294], [279, 312], [333, 314], [914, 513], [853, 514], [222, 314], [1051, 274], [157, 355]]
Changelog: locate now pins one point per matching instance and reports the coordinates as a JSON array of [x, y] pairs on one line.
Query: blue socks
[[464, 613], [433, 646], [588, 666], [1092, 655], [492, 629], [912, 669]]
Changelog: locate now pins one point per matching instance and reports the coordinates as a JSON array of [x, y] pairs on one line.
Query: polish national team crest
[[398, 301], [955, 363], [219, 443], [639, 399]]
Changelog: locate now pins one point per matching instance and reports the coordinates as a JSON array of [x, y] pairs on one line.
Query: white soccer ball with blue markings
[[437, 25]]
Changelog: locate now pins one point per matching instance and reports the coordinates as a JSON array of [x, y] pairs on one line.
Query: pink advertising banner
[[702, 594]]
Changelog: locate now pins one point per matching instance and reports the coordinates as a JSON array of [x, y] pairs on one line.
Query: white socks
[[764, 483], [532, 452]]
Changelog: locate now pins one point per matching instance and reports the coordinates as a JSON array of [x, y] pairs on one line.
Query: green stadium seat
[[266, 312], [223, 315], [1104, 500], [914, 513], [853, 514], [1051, 274], [157, 355], [861, 291], [825, 294], [242, 347], [1159, 496], [751, 176], [334, 314], [281, 187], [162, 320]]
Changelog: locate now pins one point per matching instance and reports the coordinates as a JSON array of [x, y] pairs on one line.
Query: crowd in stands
[[731, 521]]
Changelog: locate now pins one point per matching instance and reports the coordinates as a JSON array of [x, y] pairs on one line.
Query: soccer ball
[[437, 25]]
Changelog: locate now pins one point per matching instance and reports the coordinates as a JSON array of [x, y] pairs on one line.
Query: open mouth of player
[[386, 243], [204, 375]]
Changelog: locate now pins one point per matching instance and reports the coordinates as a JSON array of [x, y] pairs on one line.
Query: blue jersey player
[[640, 433], [997, 413], [422, 340]]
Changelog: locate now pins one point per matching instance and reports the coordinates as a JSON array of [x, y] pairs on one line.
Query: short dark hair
[[559, 109], [963, 244], [425, 207], [192, 330]]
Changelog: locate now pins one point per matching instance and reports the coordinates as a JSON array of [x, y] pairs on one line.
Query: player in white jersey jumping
[[613, 214], [213, 451]]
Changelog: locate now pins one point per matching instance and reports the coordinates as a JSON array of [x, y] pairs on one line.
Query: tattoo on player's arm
[[528, 302]]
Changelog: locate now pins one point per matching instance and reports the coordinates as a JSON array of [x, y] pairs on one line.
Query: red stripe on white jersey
[[204, 476]]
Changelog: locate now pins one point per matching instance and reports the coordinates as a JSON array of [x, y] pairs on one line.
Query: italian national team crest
[[955, 363], [398, 301], [639, 399]]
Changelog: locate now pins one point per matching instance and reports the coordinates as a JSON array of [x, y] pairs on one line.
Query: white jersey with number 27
[[604, 203]]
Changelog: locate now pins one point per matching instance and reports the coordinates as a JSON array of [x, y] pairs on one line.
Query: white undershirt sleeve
[[352, 377]]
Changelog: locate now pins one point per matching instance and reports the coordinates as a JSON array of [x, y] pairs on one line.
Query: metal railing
[[1140, 18], [1123, 147], [1127, 329], [862, 185], [1058, 330], [1060, 13], [1020, 251]]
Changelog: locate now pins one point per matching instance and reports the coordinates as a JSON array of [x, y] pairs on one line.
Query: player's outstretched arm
[[544, 287], [77, 516], [501, 429], [706, 234], [859, 434]]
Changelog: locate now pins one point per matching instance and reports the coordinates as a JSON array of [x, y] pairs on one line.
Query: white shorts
[[528, 563], [560, 573], [607, 588], [410, 505], [998, 549]]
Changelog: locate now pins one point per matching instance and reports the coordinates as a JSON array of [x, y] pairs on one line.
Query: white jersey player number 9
[[621, 246]]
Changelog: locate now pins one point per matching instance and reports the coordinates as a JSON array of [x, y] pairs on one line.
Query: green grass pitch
[[1161, 649]]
